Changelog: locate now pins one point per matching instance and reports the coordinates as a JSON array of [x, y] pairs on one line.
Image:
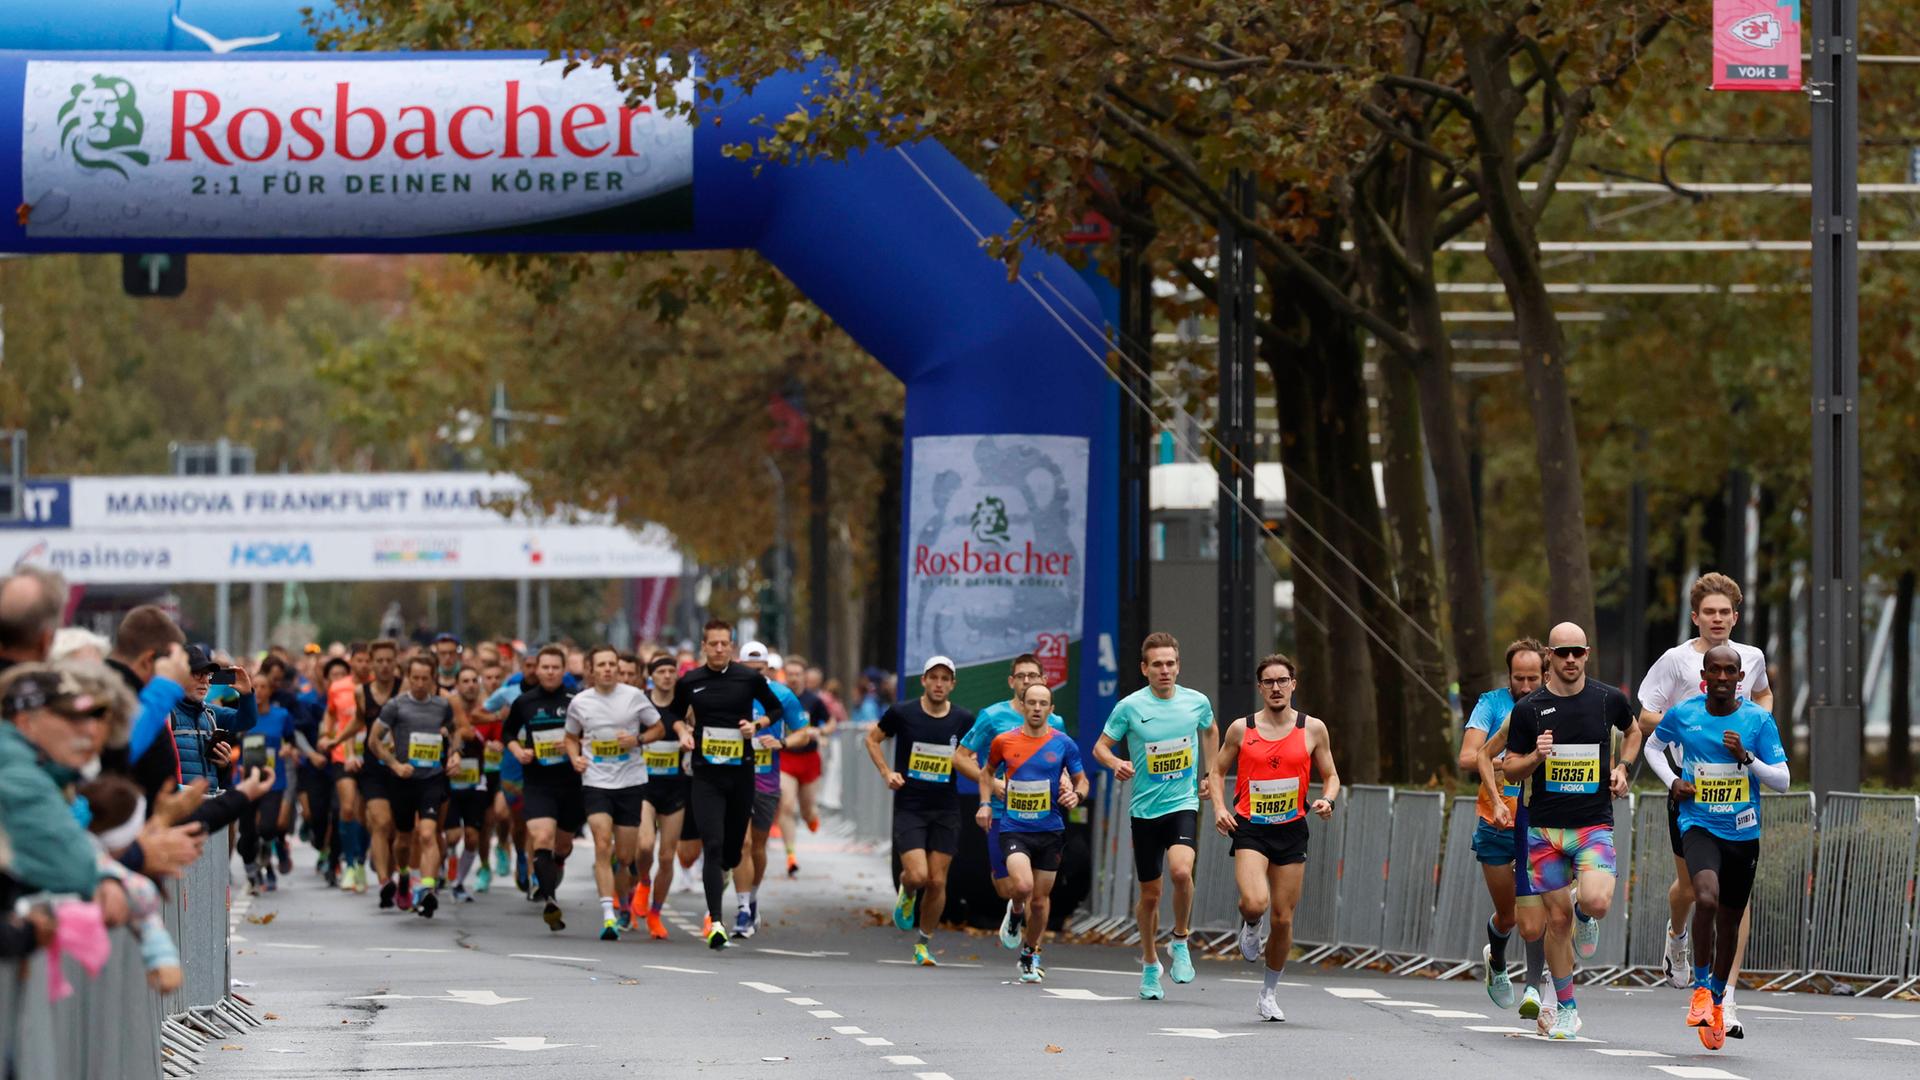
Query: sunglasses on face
[[1568, 652]]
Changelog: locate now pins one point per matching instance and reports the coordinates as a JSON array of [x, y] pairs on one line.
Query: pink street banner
[[1756, 45]]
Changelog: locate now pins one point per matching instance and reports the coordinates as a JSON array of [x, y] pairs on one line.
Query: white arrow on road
[[1080, 995], [524, 1044], [1201, 1033], [463, 997]]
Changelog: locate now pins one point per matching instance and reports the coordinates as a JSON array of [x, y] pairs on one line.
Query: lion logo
[[101, 126], [989, 520]]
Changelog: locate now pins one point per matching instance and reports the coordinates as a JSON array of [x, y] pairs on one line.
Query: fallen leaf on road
[[629, 982], [262, 920], [233, 1046], [273, 1016], [1052, 1049]]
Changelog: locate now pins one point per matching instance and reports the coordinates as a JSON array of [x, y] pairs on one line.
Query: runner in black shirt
[[535, 733], [387, 851], [1561, 735], [926, 808], [712, 712]]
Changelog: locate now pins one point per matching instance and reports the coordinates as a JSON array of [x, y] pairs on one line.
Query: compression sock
[[1270, 979], [1702, 974], [1563, 989], [560, 870], [1536, 961], [1718, 987], [545, 875], [1581, 915], [1497, 941]]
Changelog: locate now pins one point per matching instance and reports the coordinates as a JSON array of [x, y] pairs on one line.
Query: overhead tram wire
[[1099, 359]]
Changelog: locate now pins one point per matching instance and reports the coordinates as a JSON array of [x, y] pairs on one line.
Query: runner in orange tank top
[[1274, 751]]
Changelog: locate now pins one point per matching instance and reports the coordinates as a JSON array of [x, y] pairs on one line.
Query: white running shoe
[[1530, 1002], [1544, 1020], [1586, 937], [1499, 984], [1678, 960], [1250, 942], [1730, 1019], [1009, 933], [1566, 1024], [1269, 1008]]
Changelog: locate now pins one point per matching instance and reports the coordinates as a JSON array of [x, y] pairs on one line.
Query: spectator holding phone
[[205, 734]]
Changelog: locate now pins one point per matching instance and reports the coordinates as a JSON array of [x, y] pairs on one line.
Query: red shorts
[[802, 767]]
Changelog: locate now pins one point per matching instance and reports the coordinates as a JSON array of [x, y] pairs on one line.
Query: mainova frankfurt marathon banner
[[194, 126]]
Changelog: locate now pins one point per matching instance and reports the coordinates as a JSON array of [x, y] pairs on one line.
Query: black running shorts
[[1282, 844], [562, 803], [1734, 861], [933, 831], [1152, 836], [621, 804], [1043, 849]]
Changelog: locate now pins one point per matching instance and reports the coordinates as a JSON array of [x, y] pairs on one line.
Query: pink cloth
[[80, 932]]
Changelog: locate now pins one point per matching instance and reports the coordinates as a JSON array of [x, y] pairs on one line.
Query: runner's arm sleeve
[[1776, 776], [1656, 756]]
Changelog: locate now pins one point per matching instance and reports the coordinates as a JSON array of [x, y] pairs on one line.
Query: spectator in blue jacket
[[196, 720]]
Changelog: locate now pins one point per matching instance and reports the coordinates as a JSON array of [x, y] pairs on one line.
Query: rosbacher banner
[[343, 148], [996, 556]]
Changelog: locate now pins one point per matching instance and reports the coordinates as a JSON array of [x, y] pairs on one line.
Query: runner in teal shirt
[[1170, 747]]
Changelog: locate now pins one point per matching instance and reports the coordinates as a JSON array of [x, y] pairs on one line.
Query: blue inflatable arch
[[1011, 546]]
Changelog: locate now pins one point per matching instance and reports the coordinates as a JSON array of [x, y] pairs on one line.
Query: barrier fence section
[[1363, 872], [1462, 907], [1782, 904], [1413, 868], [113, 1026], [1863, 890], [1652, 873]]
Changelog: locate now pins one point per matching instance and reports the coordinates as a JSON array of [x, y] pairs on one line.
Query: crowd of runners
[[442, 768]]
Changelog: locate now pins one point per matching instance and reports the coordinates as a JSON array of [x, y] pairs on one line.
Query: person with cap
[[926, 805], [206, 733], [52, 731], [786, 732]]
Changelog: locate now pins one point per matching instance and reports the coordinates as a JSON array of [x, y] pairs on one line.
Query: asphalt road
[[824, 992]]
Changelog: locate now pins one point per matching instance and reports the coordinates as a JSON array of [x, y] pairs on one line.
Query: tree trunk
[[1900, 715], [1514, 250]]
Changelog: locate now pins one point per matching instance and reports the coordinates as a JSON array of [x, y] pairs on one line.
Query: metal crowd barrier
[[1782, 904], [1863, 891], [1413, 869], [1652, 873], [865, 802], [1461, 907], [1363, 873], [1314, 920]]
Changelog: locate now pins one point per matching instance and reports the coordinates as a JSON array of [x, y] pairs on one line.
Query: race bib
[[255, 752], [1509, 791], [423, 749], [1029, 800], [491, 756], [607, 751], [931, 762], [360, 745], [662, 758], [762, 758], [1747, 819], [1273, 802], [550, 746], [467, 776], [1719, 786], [1574, 769], [723, 745], [1170, 759]]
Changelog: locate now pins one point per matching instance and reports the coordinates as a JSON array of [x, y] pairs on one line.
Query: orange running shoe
[[706, 925], [1700, 1012], [1714, 1035], [656, 929], [774, 833], [813, 824], [642, 898]]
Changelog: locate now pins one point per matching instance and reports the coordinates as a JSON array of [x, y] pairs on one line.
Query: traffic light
[[153, 274]]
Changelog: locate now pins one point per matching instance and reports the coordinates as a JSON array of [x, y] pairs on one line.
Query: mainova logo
[[989, 520], [101, 126]]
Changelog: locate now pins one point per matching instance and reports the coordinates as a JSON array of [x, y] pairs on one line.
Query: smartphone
[[222, 677]]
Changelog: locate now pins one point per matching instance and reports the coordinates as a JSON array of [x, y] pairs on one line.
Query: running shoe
[[501, 865], [1028, 968], [320, 863], [272, 880], [286, 857], [425, 903], [1678, 960], [386, 894], [923, 957], [348, 877], [743, 922], [483, 880], [1249, 942], [813, 823], [1543, 1020], [753, 912], [1530, 1003], [716, 938], [793, 865], [360, 878], [551, 913], [1700, 1009], [403, 896], [1499, 984], [1149, 982], [1586, 937], [1713, 1035], [1010, 928], [1270, 1008], [1566, 1024], [641, 898], [1734, 1030], [461, 894], [706, 925], [1182, 966], [903, 902], [522, 871], [609, 930], [623, 917], [656, 929]]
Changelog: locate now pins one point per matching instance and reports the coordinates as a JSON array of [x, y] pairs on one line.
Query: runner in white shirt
[[605, 726], [1715, 604]]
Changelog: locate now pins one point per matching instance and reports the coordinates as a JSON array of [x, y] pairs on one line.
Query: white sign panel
[[320, 501], [92, 557], [341, 148], [997, 548]]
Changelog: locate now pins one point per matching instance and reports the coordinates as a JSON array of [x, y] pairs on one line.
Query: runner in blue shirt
[[1033, 831], [266, 746], [999, 717], [1496, 839], [1725, 743]]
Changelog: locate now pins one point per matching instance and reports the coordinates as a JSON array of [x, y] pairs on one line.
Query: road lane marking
[[544, 956], [902, 1059], [824, 1014], [765, 988], [814, 955], [849, 1030], [1200, 1033], [1075, 994], [804, 1001], [1448, 1014], [1355, 993], [1526, 1033], [1829, 1012], [1611, 1052], [1261, 982], [943, 963], [677, 970], [931, 1076], [288, 945], [874, 1040], [1697, 1072], [1406, 1004], [1092, 971], [1893, 1042]]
